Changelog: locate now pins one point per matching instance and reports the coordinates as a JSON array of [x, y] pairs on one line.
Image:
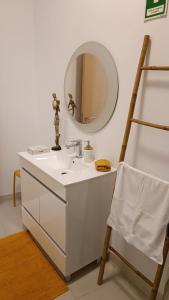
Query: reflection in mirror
[[91, 86], [71, 105], [88, 94]]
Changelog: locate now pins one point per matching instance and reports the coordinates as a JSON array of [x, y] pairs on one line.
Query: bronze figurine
[[56, 108]]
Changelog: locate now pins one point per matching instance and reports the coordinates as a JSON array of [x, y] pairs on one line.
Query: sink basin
[[75, 165], [78, 165], [61, 162], [53, 160]]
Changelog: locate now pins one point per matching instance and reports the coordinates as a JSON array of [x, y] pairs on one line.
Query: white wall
[[119, 25], [18, 114], [37, 40]]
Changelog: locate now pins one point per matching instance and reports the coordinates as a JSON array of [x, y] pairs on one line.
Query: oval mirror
[[91, 86]]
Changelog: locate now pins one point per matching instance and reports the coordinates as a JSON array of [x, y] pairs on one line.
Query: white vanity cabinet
[[67, 220]]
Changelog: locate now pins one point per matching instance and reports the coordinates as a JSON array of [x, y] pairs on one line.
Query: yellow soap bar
[[103, 165]]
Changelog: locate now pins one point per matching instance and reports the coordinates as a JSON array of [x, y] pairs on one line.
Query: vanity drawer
[[52, 217], [45, 242], [30, 189]]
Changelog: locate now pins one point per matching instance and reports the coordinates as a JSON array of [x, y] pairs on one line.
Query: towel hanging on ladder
[[140, 210]]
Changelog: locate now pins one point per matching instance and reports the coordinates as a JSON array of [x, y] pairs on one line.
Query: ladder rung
[[163, 127], [148, 281], [154, 68]]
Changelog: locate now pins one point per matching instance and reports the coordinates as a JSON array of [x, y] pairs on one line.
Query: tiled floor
[[115, 287], [83, 285]]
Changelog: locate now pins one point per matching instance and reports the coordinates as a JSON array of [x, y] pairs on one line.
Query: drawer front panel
[[52, 217], [30, 194], [45, 242]]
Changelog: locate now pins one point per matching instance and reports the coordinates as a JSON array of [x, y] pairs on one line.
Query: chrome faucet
[[77, 144]]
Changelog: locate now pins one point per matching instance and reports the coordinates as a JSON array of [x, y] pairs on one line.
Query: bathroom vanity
[[65, 205]]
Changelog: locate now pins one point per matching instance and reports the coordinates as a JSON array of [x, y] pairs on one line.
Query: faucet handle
[[71, 142], [77, 145], [78, 141]]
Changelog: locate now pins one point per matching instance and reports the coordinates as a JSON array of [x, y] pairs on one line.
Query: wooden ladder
[[130, 120]]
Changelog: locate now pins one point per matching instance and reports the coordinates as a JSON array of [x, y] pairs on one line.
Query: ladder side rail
[[159, 272], [134, 96]]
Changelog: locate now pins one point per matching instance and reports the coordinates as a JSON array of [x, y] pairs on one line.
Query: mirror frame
[[109, 66]]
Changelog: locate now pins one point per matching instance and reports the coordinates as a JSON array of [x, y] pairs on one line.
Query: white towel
[[140, 210]]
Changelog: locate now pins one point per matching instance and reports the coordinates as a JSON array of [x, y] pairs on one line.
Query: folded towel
[[140, 210], [102, 165]]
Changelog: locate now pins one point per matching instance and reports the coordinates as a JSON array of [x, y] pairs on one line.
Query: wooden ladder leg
[[159, 272], [104, 255], [14, 182]]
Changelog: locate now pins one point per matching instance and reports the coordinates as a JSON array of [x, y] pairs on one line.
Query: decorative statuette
[[71, 105], [56, 108]]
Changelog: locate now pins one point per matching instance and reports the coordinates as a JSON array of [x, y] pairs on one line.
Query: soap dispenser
[[88, 153]]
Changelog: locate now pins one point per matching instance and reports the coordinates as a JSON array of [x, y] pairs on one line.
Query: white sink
[[78, 165], [59, 166], [61, 162], [53, 160]]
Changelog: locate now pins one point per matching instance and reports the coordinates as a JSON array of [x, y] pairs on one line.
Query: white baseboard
[[10, 196]]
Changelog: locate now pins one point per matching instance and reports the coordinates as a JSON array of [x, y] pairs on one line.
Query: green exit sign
[[155, 8]]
